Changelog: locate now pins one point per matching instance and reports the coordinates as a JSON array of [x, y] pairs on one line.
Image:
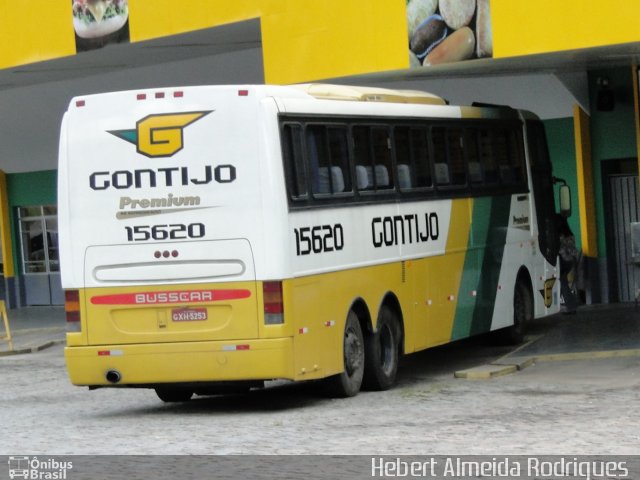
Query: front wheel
[[382, 352], [347, 383], [522, 314]]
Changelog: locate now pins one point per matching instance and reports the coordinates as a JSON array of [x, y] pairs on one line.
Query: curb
[[32, 349], [511, 363], [24, 331], [484, 372], [563, 357], [500, 367]]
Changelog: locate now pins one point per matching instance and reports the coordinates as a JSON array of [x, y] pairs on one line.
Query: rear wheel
[[174, 394], [522, 314], [347, 383], [382, 352]]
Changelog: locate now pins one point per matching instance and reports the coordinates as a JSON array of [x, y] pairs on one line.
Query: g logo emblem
[[159, 135], [547, 292]]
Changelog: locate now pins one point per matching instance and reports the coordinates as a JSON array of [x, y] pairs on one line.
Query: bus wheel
[[347, 383], [522, 314], [382, 352], [173, 394]]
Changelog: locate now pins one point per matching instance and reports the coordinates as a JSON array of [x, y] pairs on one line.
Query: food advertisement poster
[[446, 31], [99, 22]]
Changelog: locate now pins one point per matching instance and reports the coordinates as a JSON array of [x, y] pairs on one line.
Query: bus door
[[542, 184], [542, 180]]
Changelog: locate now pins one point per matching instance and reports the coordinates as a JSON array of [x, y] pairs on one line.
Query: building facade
[[573, 66]]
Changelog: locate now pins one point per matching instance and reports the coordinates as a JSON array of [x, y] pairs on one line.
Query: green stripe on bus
[[479, 283]]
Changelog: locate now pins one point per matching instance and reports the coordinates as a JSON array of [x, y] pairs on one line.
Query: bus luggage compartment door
[[170, 292]]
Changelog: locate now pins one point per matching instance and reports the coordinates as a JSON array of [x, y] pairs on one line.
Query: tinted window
[[293, 157], [372, 155], [345, 160], [328, 159], [412, 158], [455, 150]]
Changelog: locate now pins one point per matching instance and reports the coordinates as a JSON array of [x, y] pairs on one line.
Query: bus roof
[[328, 91]]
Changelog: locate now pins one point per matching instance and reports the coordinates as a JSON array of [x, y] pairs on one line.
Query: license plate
[[189, 314]]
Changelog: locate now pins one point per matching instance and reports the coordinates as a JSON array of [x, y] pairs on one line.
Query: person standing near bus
[[568, 266]]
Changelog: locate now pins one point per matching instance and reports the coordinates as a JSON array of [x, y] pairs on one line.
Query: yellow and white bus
[[229, 235]]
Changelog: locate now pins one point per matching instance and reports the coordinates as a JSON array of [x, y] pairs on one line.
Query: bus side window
[[503, 154], [404, 161], [516, 154], [381, 143], [455, 150], [339, 156], [473, 156], [372, 157], [487, 159], [361, 156], [421, 158], [412, 158], [441, 166], [316, 156], [328, 158], [292, 152]]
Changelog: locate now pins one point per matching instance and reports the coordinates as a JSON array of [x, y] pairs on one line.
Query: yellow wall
[[34, 31], [302, 39], [584, 174], [522, 27], [5, 234], [157, 18], [315, 39]]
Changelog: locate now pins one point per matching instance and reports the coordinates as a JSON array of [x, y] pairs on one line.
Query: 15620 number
[[319, 239], [177, 231]]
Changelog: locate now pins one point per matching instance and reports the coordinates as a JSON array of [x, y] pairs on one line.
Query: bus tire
[[348, 383], [173, 394], [522, 314], [382, 349]]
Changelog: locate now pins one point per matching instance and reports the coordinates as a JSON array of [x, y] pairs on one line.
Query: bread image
[[428, 35], [456, 47], [484, 36], [457, 13], [444, 31], [418, 11]]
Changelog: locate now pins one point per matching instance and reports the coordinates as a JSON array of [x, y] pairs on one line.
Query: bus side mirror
[[565, 201]]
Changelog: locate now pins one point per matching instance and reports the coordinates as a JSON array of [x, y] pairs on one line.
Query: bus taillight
[[72, 309], [273, 305]]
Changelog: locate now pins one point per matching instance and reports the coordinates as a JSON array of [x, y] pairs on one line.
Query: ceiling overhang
[[230, 38], [224, 39], [569, 61]]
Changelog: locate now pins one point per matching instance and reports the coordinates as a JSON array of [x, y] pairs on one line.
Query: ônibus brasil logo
[[32, 468], [159, 135]]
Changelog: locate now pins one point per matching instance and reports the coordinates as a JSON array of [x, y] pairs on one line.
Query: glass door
[[40, 263]]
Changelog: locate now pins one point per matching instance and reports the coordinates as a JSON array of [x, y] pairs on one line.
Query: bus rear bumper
[[158, 363]]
